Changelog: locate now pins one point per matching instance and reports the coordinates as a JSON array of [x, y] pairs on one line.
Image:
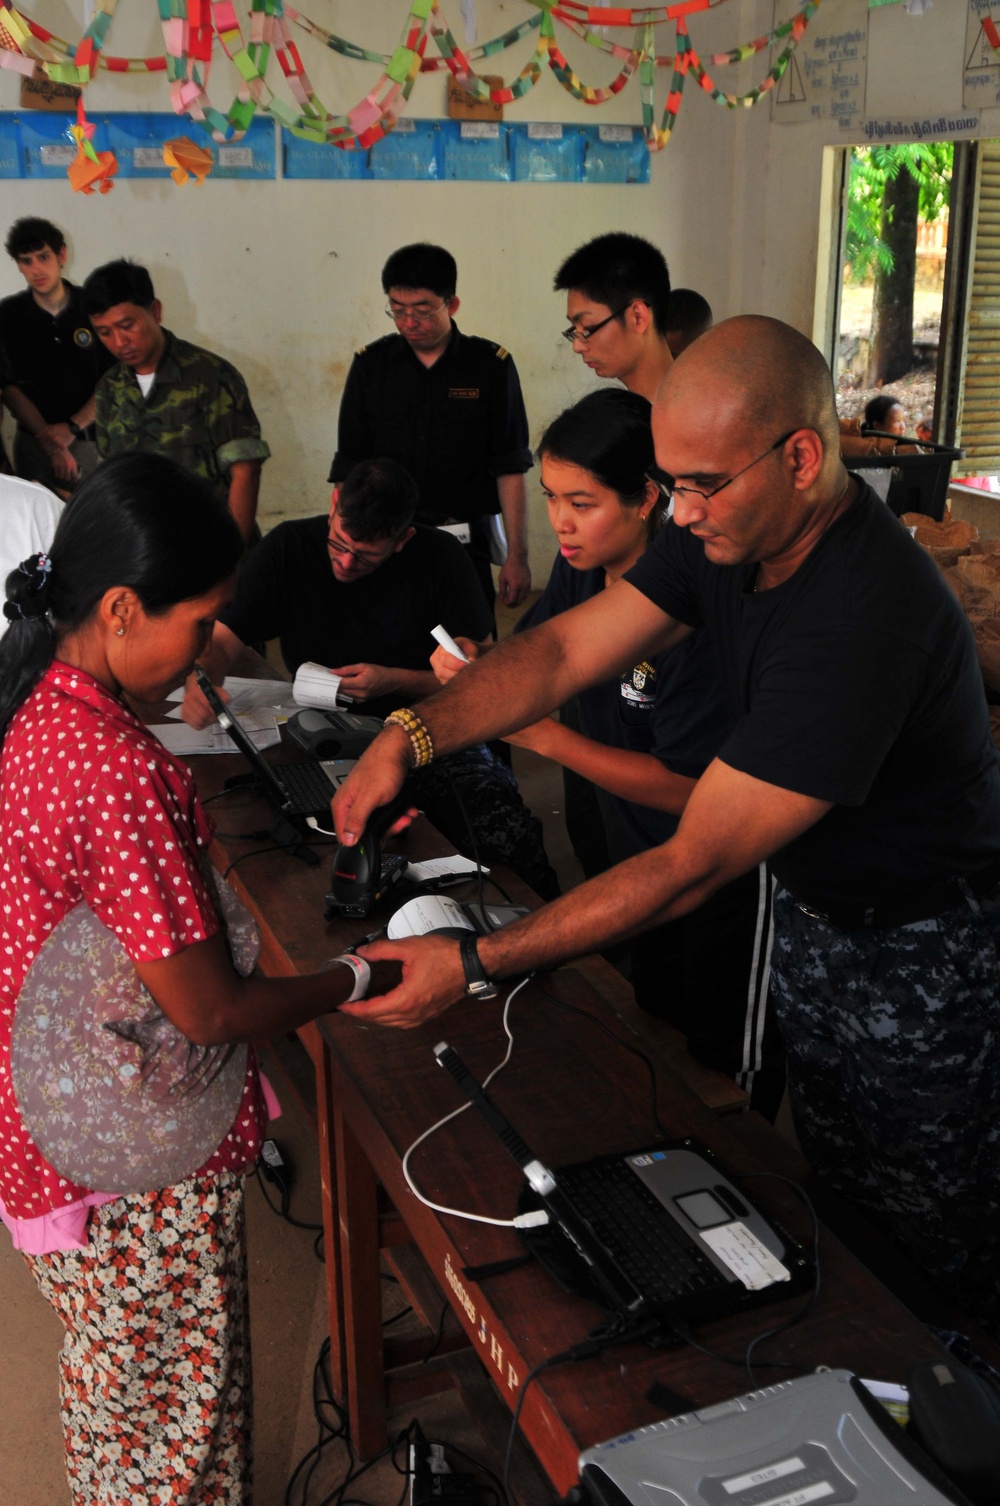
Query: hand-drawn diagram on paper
[[825, 77], [981, 83]]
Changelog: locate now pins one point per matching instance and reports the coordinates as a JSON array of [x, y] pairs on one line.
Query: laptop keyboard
[[306, 786], [654, 1253]]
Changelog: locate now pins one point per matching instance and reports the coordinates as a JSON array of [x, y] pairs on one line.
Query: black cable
[[244, 836], [496, 884], [595, 1343], [207, 799], [256, 853], [339, 1496], [328, 1433], [810, 1302], [283, 1212], [480, 875], [276, 847], [404, 1312], [626, 1045], [796, 1317]]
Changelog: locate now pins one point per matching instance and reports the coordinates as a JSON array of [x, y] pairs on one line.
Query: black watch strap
[[477, 985], [75, 429]]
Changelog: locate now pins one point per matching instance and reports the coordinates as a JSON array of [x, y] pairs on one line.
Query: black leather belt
[[922, 904]]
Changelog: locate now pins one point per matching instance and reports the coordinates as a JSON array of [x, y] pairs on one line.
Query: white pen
[[447, 642]]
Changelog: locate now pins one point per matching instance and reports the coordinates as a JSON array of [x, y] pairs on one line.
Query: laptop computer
[[296, 790], [657, 1233], [819, 1438]]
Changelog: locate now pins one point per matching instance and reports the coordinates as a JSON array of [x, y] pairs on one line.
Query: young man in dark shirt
[[359, 591], [617, 292], [448, 407], [56, 361], [860, 764]]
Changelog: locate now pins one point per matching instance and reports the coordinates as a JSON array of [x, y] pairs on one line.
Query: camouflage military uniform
[[198, 413], [472, 798], [893, 1041]]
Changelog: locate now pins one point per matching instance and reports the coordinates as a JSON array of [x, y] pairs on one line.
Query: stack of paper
[[244, 695], [317, 686], [260, 726]]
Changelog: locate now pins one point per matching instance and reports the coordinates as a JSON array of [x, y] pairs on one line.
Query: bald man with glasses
[[448, 407], [860, 765]]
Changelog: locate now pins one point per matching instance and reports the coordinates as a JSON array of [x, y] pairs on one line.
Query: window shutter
[[977, 424]]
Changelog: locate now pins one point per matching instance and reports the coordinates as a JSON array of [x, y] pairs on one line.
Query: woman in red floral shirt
[[130, 1103]]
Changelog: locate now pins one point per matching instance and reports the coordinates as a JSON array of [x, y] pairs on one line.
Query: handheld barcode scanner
[[361, 874]]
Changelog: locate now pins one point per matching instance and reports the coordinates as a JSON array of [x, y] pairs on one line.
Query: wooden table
[[571, 1091]]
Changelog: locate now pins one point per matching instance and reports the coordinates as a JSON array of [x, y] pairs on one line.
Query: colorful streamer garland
[[191, 28]]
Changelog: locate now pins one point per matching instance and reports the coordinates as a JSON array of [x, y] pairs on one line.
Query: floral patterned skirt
[[155, 1384]]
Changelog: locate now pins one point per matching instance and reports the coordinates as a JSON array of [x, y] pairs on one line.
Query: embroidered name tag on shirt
[[464, 392]]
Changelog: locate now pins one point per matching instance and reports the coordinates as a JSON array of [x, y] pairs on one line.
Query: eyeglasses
[[667, 483], [580, 332], [335, 546], [418, 312]]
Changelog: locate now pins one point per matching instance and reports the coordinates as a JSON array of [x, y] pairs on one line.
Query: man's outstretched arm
[[732, 822], [520, 681]]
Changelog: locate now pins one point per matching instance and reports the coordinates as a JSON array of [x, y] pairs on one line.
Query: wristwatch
[[74, 428], [477, 985]]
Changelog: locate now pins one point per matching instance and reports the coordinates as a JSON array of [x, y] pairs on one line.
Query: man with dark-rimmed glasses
[[358, 590], [617, 294], [448, 407], [617, 290]]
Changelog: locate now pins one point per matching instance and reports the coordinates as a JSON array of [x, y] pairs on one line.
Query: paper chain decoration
[[192, 27]]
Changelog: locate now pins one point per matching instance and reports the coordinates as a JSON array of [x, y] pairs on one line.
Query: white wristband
[[362, 974]]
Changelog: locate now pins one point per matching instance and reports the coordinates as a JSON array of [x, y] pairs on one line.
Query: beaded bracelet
[[420, 739]]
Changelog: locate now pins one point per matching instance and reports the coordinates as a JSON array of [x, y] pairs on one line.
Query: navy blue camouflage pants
[[472, 798], [893, 1042]]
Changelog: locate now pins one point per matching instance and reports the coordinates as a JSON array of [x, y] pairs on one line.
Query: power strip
[[431, 1479]]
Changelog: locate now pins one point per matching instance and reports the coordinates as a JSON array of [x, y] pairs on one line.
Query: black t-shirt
[[56, 361], [456, 426], [854, 681], [671, 706], [287, 590]]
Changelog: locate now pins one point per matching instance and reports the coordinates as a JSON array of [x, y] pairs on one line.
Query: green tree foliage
[[929, 163]]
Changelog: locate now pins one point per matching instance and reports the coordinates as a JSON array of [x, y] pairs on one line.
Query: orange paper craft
[[187, 159], [90, 174]]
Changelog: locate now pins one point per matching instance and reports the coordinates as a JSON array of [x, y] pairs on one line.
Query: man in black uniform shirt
[[56, 361], [860, 763], [448, 407], [359, 591]]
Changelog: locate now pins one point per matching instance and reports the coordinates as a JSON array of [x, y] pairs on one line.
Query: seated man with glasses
[[617, 294], [359, 590], [448, 407]]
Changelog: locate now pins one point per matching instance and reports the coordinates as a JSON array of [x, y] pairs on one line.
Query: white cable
[[477, 1218], [311, 821]]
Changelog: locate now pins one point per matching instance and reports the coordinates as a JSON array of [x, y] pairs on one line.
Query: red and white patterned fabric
[[94, 809]]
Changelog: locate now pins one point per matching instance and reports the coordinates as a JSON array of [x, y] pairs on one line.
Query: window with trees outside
[[908, 301]]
